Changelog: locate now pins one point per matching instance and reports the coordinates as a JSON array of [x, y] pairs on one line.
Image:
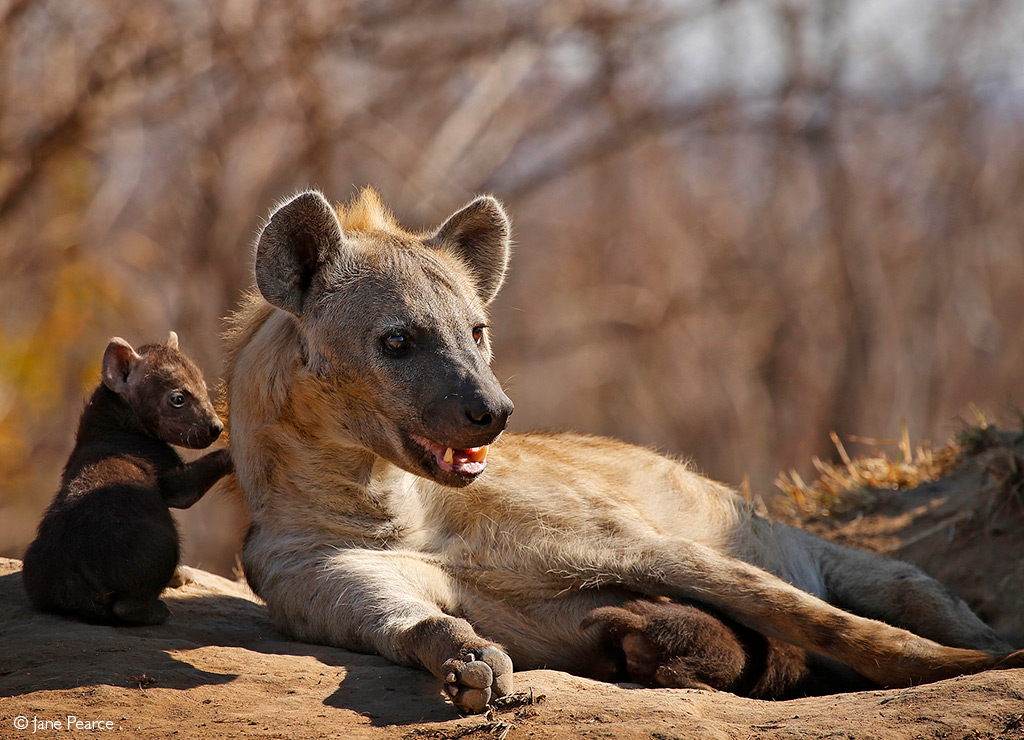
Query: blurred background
[[740, 225]]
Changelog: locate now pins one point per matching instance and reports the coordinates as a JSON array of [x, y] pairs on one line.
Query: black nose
[[216, 428], [492, 416]]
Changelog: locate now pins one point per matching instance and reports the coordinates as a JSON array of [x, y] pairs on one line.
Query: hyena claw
[[477, 677]]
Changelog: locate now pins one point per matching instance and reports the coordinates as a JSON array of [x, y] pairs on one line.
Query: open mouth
[[467, 463]]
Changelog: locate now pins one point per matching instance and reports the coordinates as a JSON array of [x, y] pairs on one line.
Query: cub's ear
[[614, 618], [480, 234], [118, 361], [294, 245]]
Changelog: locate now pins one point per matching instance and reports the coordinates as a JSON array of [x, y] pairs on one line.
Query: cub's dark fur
[[107, 546], [661, 643]]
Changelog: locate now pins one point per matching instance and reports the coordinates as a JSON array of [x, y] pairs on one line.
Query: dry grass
[[994, 455], [852, 484]]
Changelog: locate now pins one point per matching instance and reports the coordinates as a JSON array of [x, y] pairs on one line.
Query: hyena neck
[[322, 474], [375, 501], [107, 413], [110, 426]]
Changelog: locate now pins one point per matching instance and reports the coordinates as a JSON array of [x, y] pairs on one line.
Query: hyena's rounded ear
[[293, 247], [480, 234], [118, 361], [172, 340]]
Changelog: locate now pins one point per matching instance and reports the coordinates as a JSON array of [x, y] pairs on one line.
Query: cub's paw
[[182, 577], [479, 675]]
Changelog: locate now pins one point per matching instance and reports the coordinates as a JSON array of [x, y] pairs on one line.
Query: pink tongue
[[460, 457]]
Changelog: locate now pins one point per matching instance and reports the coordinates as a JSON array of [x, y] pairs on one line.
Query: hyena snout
[[194, 424], [214, 428], [489, 414], [470, 415], [196, 434]]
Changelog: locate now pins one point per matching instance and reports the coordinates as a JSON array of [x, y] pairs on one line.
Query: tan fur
[[367, 213], [354, 545]]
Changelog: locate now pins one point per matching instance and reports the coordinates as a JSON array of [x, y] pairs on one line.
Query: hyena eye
[[395, 344], [478, 334], [176, 399]]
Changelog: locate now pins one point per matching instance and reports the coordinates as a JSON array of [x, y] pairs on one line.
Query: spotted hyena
[[389, 517], [107, 545]]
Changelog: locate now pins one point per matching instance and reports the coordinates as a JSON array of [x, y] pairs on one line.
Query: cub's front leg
[[184, 485], [392, 603]]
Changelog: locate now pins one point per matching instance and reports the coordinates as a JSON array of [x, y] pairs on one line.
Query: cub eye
[[478, 334], [176, 399], [396, 344]]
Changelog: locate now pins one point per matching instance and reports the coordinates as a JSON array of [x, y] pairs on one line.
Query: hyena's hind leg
[[902, 595], [889, 656], [661, 643]]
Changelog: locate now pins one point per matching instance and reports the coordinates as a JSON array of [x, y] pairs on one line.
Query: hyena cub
[[107, 546], [664, 644]]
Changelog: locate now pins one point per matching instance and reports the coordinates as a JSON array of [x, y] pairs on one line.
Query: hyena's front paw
[[481, 674]]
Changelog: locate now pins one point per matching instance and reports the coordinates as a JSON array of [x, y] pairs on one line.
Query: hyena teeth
[[449, 455], [477, 454]]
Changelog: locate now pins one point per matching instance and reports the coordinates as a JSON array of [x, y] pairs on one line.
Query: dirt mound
[[965, 528], [218, 668]]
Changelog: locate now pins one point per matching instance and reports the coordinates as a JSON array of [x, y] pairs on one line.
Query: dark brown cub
[[661, 643], [107, 545]]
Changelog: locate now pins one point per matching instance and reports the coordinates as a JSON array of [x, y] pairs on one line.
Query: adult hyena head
[[392, 326]]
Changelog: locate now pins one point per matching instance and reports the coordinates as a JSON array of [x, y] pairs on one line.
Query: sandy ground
[[219, 669]]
